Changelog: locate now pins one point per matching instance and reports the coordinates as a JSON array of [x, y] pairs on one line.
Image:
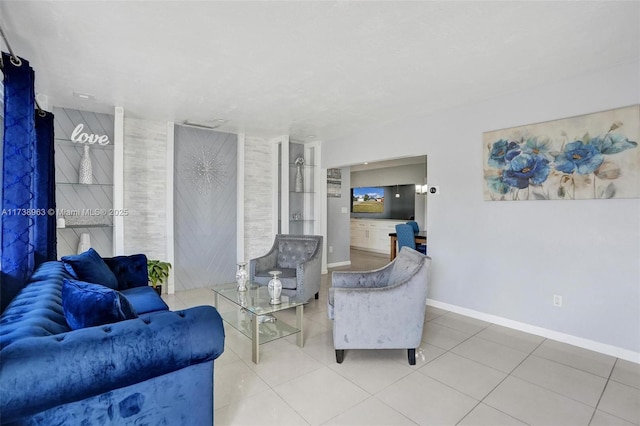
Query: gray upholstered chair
[[299, 258], [380, 309]]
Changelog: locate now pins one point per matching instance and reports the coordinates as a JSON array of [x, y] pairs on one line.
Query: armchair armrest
[[378, 278], [263, 263], [43, 372], [307, 272], [362, 279]]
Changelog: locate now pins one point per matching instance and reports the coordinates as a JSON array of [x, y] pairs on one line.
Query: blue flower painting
[[579, 157], [585, 157]]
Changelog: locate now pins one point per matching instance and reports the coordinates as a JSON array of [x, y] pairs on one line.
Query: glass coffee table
[[253, 315]]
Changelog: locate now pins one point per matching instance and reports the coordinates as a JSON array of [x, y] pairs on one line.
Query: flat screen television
[[368, 199]]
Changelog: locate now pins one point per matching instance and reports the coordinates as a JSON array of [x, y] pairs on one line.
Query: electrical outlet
[[557, 301], [330, 249]]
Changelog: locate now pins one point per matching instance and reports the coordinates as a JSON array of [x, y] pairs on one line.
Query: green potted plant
[[158, 273]]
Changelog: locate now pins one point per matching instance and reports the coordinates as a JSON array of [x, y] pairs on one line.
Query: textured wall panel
[[145, 171], [205, 207], [81, 204], [258, 198]]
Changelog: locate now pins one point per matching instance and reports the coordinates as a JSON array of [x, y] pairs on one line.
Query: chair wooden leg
[[317, 295], [339, 355], [411, 353]]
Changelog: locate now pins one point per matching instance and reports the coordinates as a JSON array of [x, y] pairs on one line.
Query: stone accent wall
[[258, 197], [145, 171]]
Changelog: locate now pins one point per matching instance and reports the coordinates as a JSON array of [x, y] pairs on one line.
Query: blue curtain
[[44, 231], [22, 199]]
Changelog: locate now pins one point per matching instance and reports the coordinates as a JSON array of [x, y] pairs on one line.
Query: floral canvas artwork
[[593, 156]]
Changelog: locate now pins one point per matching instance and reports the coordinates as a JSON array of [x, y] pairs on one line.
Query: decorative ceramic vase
[[242, 298], [275, 288], [84, 244], [241, 276], [299, 181], [85, 174]]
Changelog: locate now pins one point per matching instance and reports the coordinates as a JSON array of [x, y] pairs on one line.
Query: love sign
[[82, 137]]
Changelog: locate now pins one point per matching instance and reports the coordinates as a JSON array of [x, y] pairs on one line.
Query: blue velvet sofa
[[155, 369]]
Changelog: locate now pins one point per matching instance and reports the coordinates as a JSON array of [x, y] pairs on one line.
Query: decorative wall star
[[205, 170]]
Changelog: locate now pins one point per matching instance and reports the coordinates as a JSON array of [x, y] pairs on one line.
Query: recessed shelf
[[304, 165], [75, 184], [68, 143], [94, 225]]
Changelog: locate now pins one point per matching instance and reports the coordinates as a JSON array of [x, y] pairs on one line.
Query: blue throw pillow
[[90, 267], [87, 305], [130, 271]]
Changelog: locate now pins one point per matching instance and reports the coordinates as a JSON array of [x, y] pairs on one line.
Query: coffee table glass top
[[255, 299], [251, 315]]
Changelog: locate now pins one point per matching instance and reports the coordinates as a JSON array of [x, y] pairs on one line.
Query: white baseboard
[[539, 331], [338, 264]]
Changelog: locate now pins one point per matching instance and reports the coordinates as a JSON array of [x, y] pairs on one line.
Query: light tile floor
[[468, 372]]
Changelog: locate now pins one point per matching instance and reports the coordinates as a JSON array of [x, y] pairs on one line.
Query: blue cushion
[[130, 271], [87, 305], [145, 300], [90, 267]]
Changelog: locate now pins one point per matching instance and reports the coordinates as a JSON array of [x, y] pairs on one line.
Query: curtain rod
[[14, 57], [16, 61]]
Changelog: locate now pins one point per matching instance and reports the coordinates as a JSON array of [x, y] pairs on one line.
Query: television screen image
[[367, 200]]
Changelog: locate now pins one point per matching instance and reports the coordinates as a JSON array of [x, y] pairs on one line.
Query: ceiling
[[396, 162], [311, 69]]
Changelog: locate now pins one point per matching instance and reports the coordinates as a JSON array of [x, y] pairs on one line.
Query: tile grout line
[[378, 400], [559, 393], [502, 381], [603, 391], [457, 390]]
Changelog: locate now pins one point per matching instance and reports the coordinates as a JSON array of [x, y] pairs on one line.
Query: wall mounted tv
[[383, 202], [368, 199]]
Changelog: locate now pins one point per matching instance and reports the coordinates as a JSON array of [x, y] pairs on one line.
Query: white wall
[[508, 259], [338, 218], [387, 176]]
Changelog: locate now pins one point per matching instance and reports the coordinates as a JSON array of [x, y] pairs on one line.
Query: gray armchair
[[299, 258], [380, 309]]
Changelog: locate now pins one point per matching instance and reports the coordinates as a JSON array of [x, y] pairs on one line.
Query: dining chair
[[414, 225], [422, 248], [406, 237]]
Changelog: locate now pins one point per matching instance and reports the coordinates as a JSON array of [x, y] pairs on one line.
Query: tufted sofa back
[[37, 310], [295, 249]]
